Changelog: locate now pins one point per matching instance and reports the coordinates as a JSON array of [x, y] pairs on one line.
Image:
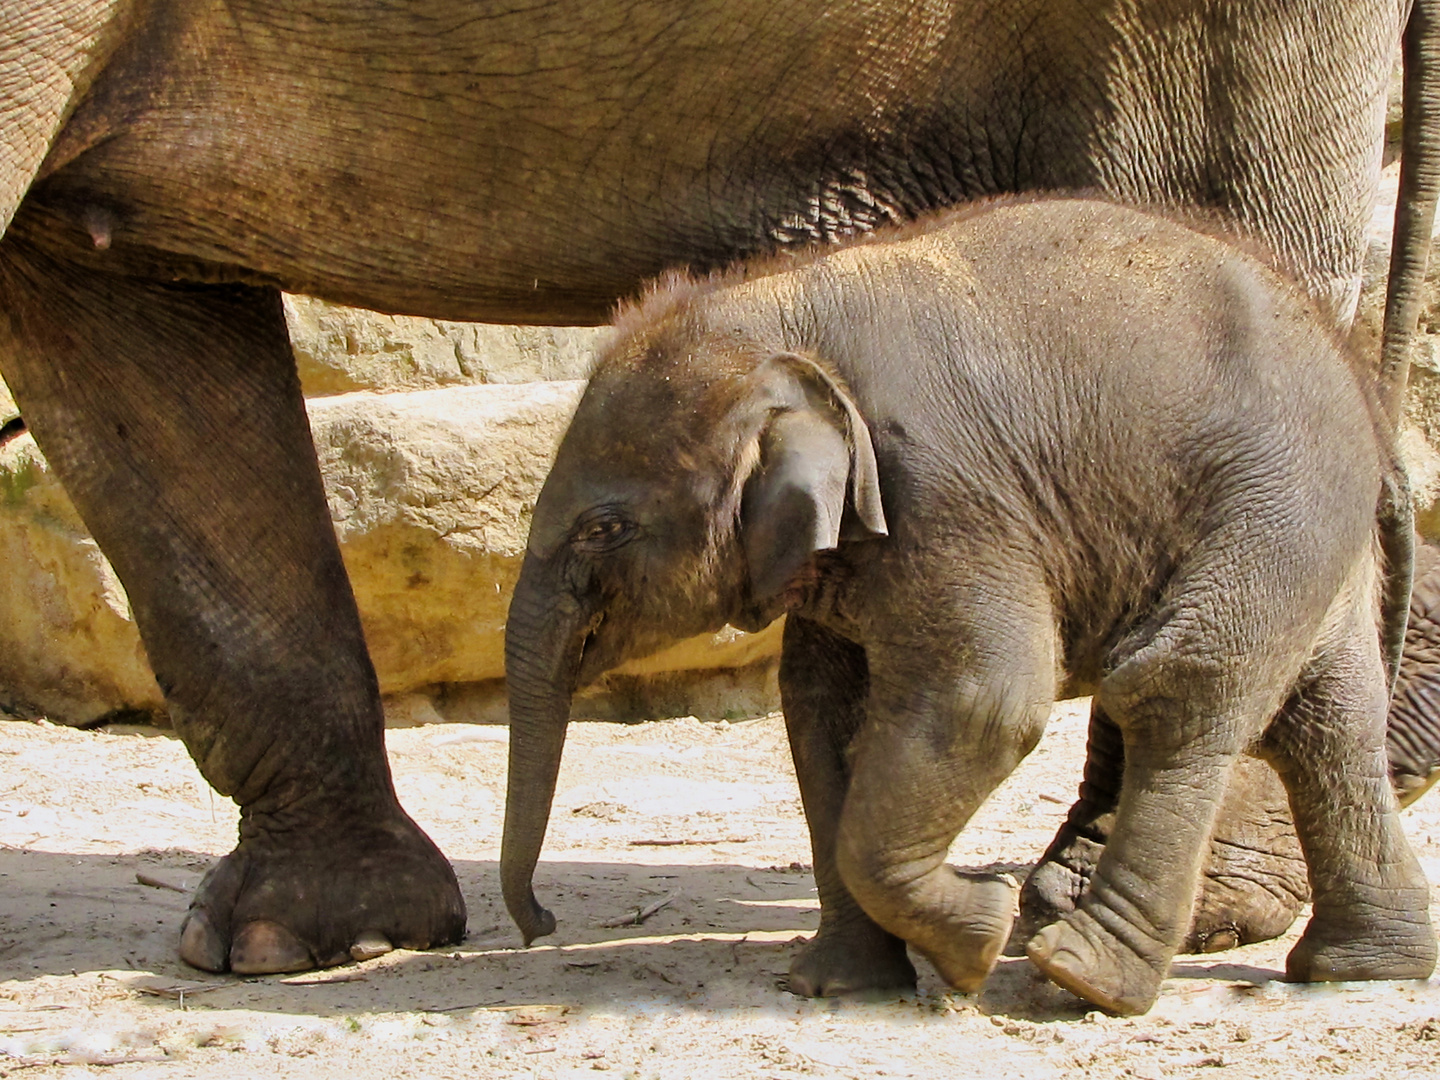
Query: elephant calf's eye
[[602, 533]]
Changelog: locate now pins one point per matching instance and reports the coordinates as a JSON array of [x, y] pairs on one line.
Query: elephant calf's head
[[700, 474], [704, 468]]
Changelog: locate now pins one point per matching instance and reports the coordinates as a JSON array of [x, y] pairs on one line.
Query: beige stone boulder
[[431, 494], [68, 646], [340, 349]]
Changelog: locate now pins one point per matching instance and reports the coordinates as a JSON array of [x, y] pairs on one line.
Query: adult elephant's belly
[[398, 217], [474, 167], [478, 161]]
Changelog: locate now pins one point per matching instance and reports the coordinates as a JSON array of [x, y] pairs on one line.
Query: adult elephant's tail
[[1415, 206]]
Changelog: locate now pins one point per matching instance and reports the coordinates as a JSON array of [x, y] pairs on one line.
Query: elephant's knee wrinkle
[[877, 881], [1028, 731]]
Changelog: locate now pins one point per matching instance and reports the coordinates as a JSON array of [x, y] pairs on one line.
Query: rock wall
[[433, 440]]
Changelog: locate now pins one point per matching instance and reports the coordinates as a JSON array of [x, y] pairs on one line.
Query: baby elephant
[[1030, 449]]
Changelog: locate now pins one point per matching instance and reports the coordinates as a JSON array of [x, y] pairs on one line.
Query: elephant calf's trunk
[[537, 738], [543, 644]]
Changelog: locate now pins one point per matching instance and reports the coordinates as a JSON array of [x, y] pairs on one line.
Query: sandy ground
[[101, 833]]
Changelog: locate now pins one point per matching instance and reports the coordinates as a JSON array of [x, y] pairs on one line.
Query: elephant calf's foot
[[274, 904], [1394, 945], [839, 962], [1080, 955], [964, 942]]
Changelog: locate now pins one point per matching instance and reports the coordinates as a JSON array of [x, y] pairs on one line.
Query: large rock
[[340, 349], [431, 494], [68, 645]]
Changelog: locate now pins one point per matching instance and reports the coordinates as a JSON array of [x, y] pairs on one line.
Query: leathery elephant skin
[[166, 167], [1254, 881], [1034, 446]]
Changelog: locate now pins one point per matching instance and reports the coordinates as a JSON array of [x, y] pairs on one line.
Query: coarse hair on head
[[668, 328]]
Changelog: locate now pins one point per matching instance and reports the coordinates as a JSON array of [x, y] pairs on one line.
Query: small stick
[[320, 980], [157, 883], [70, 1059], [697, 843], [639, 915], [177, 992]]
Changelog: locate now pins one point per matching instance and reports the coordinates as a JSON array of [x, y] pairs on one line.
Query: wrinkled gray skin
[[167, 166], [1034, 450], [1254, 872]]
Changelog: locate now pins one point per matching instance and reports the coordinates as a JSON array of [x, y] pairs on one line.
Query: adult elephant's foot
[[1252, 886], [290, 901], [1054, 887], [1081, 956], [850, 961], [1254, 881]]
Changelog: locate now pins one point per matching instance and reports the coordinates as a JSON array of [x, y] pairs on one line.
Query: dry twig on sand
[[639, 915], [692, 842], [158, 883]]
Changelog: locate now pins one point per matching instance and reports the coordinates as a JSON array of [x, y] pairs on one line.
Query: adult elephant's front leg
[[824, 680], [173, 416]]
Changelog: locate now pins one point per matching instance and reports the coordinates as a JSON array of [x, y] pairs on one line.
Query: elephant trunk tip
[[533, 920]]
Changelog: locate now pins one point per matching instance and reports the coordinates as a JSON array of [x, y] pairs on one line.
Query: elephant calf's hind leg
[[1253, 884], [1370, 918]]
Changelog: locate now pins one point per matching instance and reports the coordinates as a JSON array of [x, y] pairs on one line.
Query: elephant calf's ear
[[816, 461]]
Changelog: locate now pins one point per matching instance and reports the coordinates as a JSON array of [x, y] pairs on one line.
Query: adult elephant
[[168, 166]]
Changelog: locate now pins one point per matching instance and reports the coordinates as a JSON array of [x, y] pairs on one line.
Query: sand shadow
[[713, 937]]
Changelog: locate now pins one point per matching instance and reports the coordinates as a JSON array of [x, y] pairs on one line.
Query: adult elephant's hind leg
[[173, 417], [823, 683], [1371, 913]]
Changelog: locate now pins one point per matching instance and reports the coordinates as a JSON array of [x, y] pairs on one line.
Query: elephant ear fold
[[816, 482]]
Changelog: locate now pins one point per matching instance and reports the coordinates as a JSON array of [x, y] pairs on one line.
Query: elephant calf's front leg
[[931, 751], [823, 683]]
